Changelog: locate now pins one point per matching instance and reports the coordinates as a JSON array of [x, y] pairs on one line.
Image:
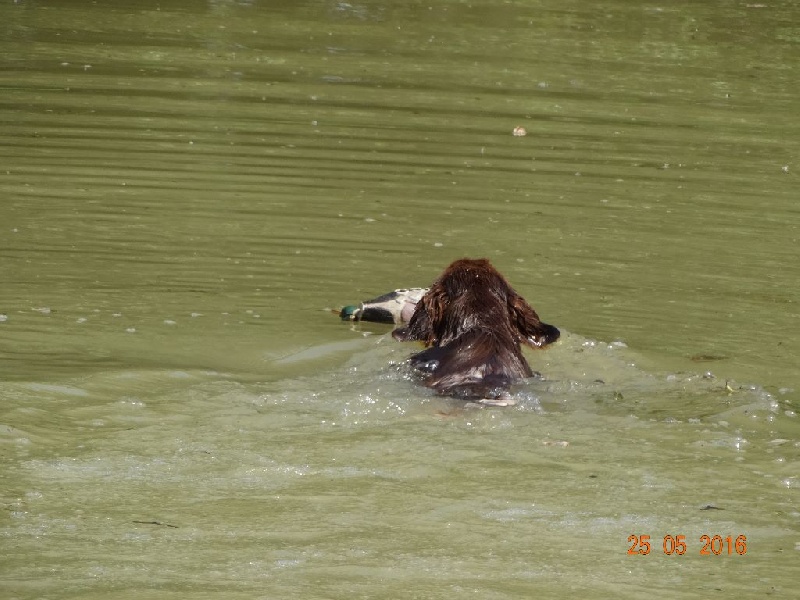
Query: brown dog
[[473, 323]]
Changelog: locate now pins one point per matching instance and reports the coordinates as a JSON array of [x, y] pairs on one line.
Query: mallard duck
[[395, 307]]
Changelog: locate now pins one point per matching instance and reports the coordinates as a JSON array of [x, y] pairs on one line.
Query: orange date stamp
[[709, 545]]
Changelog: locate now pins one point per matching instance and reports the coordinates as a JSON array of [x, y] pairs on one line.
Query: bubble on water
[[131, 401], [131, 330], [81, 320], [287, 563], [169, 322], [3, 318]]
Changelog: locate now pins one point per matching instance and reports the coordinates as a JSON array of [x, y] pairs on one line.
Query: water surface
[[185, 190]]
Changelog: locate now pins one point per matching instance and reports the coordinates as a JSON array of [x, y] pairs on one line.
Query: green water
[[185, 189]]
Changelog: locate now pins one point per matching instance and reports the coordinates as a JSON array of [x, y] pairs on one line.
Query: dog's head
[[472, 295]]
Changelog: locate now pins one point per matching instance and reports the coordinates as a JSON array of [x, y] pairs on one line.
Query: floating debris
[[159, 523], [557, 443], [707, 357]]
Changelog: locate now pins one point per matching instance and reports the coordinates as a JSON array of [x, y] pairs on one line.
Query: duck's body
[[395, 307]]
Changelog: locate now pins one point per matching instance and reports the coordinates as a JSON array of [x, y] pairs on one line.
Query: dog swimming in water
[[473, 325]]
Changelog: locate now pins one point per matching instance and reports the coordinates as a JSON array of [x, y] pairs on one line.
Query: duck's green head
[[349, 313]]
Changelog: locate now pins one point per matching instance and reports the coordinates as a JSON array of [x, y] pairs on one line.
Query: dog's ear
[[531, 330]]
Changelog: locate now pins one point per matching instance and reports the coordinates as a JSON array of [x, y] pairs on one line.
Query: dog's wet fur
[[473, 324]]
